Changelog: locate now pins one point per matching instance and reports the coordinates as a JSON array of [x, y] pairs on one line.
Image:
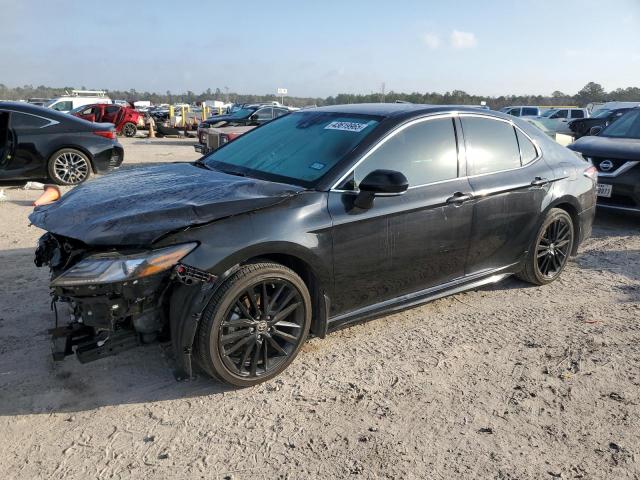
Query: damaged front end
[[115, 299]]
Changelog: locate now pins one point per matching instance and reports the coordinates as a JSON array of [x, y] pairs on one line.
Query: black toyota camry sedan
[[313, 221], [40, 143]]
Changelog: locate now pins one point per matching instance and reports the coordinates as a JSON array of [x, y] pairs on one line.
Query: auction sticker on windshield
[[347, 126]]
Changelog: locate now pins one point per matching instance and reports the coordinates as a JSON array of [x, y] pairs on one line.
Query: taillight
[[591, 172], [106, 134], [223, 139]]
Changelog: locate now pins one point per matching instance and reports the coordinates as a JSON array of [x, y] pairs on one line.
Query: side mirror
[[253, 117], [380, 182], [595, 130]]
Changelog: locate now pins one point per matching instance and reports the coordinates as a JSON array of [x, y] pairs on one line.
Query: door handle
[[459, 198], [539, 182]]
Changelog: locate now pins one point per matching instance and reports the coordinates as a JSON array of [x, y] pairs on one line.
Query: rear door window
[[264, 114], [491, 145], [278, 112], [530, 111], [577, 114]]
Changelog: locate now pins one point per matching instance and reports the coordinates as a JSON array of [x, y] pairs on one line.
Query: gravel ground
[[507, 382]]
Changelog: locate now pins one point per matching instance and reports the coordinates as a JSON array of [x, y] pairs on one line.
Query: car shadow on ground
[[167, 142], [611, 222], [614, 260]]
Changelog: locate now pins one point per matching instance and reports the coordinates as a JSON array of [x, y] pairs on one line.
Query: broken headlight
[[109, 268]]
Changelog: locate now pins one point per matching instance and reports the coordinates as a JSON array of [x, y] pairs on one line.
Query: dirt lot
[[506, 382]]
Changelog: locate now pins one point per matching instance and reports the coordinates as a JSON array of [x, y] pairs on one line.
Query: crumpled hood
[[136, 206], [609, 147]]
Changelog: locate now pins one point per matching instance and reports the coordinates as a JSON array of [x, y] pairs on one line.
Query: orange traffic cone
[[152, 124], [50, 195]]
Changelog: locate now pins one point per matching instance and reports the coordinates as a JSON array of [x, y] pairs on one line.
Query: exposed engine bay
[[98, 319]]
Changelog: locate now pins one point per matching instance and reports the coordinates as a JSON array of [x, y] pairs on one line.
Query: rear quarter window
[[527, 149], [491, 145], [23, 121]]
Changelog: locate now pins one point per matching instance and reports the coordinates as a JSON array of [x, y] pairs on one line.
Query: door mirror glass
[[595, 130]]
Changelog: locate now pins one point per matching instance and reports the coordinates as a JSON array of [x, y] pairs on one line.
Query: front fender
[[300, 229]]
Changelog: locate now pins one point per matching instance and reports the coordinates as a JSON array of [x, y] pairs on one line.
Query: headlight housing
[[113, 267]]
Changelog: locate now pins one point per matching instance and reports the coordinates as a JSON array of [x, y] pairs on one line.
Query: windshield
[[628, 126], [298, 148], [549, 112], [602, 113], [50, 102]]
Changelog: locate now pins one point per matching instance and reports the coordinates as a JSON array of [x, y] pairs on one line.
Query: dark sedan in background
[[39, 143], [615, 151], [315, 220], [602, 118], [247, 116]]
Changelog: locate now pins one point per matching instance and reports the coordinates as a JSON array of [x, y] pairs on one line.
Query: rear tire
[[129, 129], [550, 249], [244, 340], [69, 166]]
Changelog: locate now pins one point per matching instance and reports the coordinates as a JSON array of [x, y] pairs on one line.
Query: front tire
[[129, 129], [550, 250], [69, 167], [255, 324]]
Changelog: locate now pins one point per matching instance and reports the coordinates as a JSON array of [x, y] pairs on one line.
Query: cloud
[[463, 39], [431, 40]]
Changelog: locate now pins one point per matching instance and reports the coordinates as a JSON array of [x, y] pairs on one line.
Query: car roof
[[43, 112], [398, 109], [25, 107], [35, 110]]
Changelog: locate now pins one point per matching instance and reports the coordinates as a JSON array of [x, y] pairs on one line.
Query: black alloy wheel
[[255, 324], [551, 250], [129, 129], [262, 328]]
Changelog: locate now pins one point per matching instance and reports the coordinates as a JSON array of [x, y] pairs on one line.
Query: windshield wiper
[[201, 164], [234, 172]]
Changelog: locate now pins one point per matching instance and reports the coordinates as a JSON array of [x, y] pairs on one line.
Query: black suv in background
[[602, 118], [615, 151]]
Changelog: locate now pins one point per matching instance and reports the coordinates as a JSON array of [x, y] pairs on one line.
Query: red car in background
[[125, 119]]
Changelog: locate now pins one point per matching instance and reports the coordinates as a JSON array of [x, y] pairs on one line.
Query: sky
[[321, 48]]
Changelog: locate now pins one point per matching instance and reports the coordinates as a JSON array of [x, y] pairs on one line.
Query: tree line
[[591, 92]]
